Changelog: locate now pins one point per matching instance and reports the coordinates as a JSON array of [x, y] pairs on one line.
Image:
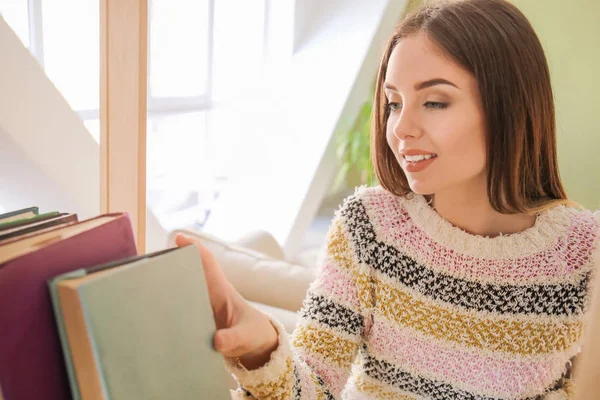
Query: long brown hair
[[495, 42]]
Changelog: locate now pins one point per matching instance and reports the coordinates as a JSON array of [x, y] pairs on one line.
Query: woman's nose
[[406, 125]]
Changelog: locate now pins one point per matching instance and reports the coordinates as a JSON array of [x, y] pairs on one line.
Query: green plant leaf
[[353, 147], [341, 176], [342, 148]]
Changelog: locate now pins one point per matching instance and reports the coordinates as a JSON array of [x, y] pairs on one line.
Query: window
[[71, 50], [179, 49], [204, 60], [16, 14]]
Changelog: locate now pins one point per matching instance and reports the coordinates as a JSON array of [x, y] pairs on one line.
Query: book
[[31, 359], [18, 214], [34, 226], [140, 328], [24, 221]]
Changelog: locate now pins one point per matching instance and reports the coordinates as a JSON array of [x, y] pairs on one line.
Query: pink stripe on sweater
[[307, 385], [334, 377], [482, 373], [397, 228], [338, 283]]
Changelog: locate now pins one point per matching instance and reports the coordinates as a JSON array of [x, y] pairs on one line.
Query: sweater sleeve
[[565, 389], [567, 392], [561, 394], [316, 361]]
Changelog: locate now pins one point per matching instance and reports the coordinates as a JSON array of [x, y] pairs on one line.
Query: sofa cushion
[[256, 276], [261, 241]]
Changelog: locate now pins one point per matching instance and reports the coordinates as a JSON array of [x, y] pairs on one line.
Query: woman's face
[[436, 125]]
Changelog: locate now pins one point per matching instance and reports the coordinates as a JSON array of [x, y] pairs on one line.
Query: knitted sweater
[[407, 306]]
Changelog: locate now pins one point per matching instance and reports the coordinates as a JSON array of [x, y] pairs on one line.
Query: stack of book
[[84, 316]]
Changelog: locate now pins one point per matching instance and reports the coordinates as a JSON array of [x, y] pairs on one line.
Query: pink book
[[31, 361]]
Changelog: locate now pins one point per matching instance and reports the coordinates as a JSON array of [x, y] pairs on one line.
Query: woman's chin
[[422, 188]]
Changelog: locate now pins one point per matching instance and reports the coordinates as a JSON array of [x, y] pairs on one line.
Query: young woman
[[466, 274]]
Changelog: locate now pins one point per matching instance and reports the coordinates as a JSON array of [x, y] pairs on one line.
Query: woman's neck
[[472, 212]]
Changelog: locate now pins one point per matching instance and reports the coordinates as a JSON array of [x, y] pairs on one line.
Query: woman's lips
[[417, 166]]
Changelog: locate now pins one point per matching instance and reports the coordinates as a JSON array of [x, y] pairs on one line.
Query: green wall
[[570, 34]]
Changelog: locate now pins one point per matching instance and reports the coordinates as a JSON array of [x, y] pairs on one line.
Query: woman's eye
[[435, 105], [393, 106]]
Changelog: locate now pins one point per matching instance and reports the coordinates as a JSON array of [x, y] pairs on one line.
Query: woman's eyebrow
[[424, 84], [433, 82]]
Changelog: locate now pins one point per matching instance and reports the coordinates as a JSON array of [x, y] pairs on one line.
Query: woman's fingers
[[227, 341], [239, 340], [215, 278], [223, 297], [242, 331]]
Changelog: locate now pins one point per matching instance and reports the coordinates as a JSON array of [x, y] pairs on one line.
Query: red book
[[32, 365]]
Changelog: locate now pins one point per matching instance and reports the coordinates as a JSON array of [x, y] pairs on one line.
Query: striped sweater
[[407, 306]]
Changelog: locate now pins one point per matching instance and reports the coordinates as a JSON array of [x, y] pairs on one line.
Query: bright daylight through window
[[190, 66]]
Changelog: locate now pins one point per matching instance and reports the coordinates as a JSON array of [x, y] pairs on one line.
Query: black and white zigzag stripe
[[297, 384], [553, 299], [325, 311], [434, 390]]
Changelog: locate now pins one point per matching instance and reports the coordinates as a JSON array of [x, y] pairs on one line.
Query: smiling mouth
[[418, 163], [420, 157]]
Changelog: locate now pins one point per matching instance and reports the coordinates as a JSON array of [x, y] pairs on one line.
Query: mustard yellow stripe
[[275, 390], [326, 344], [519, 336], [338, 248], [377, 390]]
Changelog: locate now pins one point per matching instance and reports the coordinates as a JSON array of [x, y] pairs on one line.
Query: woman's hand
[[242, 330]]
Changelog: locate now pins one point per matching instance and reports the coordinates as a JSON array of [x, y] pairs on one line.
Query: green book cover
[[150, 326], [19, 214], [28, 220]]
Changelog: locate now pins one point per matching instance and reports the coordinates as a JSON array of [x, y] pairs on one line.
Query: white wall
[[39, 120], [24, 184], [305, 12], [48, 158]]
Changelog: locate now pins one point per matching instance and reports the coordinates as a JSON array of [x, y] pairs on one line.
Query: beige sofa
[[256, 266]]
